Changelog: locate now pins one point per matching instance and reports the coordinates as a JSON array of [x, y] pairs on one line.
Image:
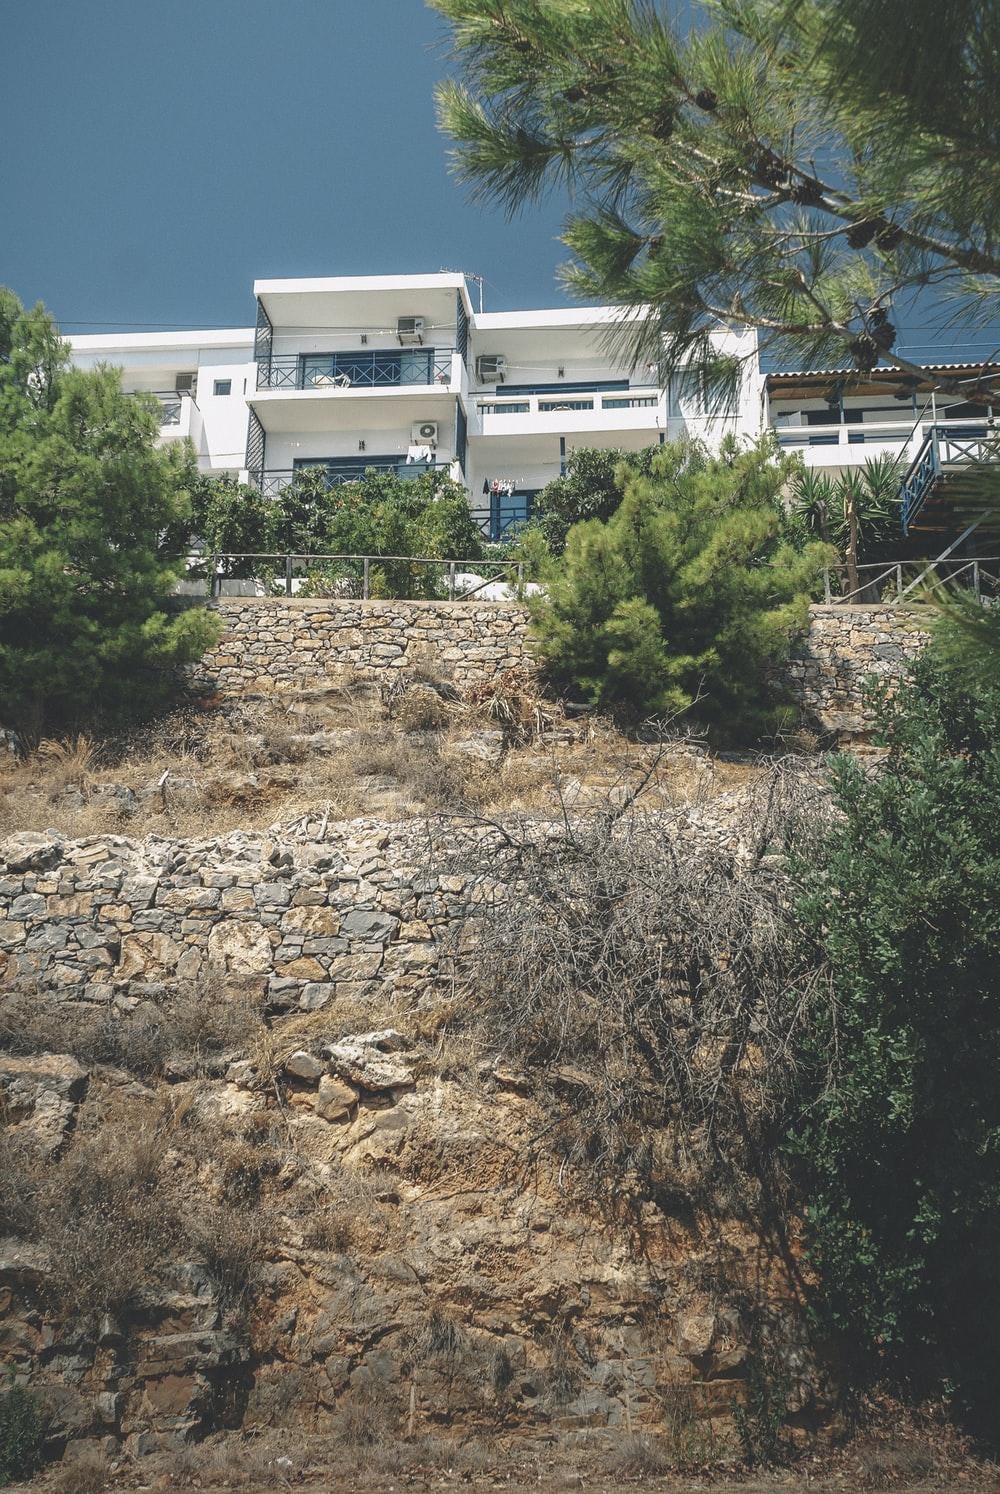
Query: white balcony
[[573, 413], [180, 417]]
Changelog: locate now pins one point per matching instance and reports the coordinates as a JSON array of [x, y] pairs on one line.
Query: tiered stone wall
[[273, 645], [283, 645], [847, 646], [309, 920]]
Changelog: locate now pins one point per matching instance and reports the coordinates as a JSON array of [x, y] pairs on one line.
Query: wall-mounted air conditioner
[[490, 368], [185, 383], [424, 433], [410, 329]]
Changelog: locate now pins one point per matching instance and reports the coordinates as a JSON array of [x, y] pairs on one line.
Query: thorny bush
[[651, 968]]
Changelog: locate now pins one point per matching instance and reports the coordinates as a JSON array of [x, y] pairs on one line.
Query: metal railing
[[639, 398], [275, 479], [375, 369], [892, 581], [943, 446], [170, 404], [352, 576]]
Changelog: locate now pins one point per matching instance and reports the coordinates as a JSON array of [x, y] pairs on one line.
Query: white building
[[401, 372]]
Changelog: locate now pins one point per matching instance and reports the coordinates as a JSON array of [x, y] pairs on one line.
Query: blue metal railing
[[943, 446], [274, 480], [376, 369]]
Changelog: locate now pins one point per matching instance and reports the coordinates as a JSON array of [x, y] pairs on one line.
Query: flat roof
[[139, 342], [568, 317], [346, 284]]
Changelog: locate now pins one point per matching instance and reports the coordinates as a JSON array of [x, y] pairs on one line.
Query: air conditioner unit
[[410, 329], [184, 383], [424, 433], [490, 368]]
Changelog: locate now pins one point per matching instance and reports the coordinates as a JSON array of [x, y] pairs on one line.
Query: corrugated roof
[[890, 370]]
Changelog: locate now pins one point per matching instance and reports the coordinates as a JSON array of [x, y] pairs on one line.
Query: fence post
[[520, 574], [827, 594], [451, 580], [288, 575], [899, 581], [364, 579], [213, 577], [975, 581]]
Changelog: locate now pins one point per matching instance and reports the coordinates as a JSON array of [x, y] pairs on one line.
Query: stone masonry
[[278, 645], [274, 645], [307, 920], [845, 648]]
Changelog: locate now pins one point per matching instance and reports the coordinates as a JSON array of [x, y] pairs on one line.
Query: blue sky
[[157, 158]]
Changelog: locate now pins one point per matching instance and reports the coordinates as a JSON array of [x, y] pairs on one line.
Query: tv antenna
[[469, 275]]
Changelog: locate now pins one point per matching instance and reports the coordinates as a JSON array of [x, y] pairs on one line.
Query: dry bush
[[365, 1417], [195, 1030], [116, 1215], [21, 1177], [642, 1457], [652, 973], [514, 702], [85, 1472], [420, 708]]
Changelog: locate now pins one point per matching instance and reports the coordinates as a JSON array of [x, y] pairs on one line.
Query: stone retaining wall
[[289, 644], [275, 646], [845, 647], [307, 920]]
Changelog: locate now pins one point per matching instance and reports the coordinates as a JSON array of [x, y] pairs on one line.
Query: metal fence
[[355, 576], [275, 479], [895, 580], [376, 369]]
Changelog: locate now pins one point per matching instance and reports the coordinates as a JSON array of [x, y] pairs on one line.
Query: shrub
[[687, 593], [21, 1433], [648, 978], [590, 488], [231, 517], [94, 520], [898, 1141]]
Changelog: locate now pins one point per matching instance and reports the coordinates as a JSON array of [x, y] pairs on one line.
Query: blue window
[[222, 386]]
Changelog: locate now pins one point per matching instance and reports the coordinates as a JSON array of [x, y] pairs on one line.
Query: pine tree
[[93, 526], [690, 595], [800, 166]]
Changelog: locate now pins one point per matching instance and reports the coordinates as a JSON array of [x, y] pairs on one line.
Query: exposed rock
[[334, 1099], [39, 1095], [303, 1065]]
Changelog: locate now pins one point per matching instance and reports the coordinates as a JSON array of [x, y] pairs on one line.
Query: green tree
[[799, 166], [589, 489], [689, 592], [233, 518], [90, 514], [899, 1133]]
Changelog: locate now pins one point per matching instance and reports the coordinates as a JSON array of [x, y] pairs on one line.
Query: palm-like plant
[[858, 511]]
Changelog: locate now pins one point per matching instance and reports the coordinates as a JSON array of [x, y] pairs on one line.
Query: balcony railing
[[274, 480], [378, 369], [944, 446], [170, 403], [547, 404]]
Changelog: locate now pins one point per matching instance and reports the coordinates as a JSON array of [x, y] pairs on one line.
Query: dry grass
[[130, 1198], [194, 1031], [412, 749]]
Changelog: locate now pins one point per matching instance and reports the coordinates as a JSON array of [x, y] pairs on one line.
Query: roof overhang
[[361, 303], [816, 383]]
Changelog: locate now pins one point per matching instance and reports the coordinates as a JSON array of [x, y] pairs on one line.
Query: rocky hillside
[[270, 1159]]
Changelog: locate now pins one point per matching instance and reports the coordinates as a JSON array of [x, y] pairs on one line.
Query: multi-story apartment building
[[402, 372]]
